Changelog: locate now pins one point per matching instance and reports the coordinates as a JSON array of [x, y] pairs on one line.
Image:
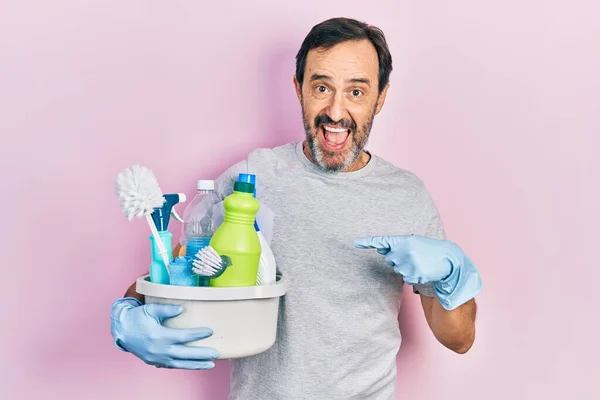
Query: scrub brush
[[209, 263], [139, 194]]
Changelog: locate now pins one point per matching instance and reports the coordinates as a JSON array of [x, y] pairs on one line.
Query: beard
[[336, 161]]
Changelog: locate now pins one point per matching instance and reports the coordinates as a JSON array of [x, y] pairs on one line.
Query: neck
[[360, 162]]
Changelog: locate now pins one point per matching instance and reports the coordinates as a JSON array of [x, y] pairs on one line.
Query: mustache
[[342, 123]]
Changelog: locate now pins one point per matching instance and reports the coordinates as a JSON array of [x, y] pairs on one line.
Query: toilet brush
[[139, 194]]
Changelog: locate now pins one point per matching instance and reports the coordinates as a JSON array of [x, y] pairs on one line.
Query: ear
[[381, 99], [298, 89]]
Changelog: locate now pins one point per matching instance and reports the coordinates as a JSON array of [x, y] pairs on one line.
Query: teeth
[[335, 130]]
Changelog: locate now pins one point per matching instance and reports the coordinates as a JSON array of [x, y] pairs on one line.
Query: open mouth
[[334, 137]]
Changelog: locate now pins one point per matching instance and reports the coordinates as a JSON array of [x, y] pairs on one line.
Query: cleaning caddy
[[217, 280]]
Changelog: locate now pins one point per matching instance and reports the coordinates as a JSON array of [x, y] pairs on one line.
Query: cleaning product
[[267, 266], [159, 269], [249, 178], [198, 223], [237, 238], [181, 273]]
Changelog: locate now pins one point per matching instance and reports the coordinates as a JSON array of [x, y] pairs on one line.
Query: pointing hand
[[422, 260]]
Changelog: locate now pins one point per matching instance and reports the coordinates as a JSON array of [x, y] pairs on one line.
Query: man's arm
[[455, 329], [132, 293]]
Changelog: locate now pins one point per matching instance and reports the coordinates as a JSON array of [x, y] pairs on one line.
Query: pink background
[[495, 104]]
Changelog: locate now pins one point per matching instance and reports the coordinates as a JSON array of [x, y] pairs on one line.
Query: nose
[[336, 107]]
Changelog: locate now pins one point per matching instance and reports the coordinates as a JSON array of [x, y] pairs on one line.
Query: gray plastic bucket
[[243, 319]]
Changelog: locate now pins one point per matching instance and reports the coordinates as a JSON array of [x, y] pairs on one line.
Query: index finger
[[185, 335], [373, 242]]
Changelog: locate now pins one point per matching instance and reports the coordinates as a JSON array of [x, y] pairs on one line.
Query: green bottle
[[237, 238]]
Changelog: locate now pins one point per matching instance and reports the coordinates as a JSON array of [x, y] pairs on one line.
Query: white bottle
[[267, 266]]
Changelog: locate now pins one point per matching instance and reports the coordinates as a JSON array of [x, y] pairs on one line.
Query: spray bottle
[[161, 217]]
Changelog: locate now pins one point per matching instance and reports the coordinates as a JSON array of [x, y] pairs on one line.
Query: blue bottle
[[161, 217], [158, 270]]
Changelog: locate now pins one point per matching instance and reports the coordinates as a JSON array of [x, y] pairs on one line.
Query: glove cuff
[[129, 301], [116, 310], [462, 285]]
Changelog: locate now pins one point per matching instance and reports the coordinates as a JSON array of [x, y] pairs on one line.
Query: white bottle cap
[[205, 185]]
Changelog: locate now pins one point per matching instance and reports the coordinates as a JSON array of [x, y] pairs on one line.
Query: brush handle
[[159, 243]]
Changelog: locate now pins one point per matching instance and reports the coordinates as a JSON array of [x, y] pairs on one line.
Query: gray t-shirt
[[338, 333]]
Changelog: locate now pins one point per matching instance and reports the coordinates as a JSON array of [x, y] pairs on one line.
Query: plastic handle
[[182, 199], [175, 215]]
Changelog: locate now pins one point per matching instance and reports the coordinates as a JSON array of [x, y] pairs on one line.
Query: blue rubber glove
[[138, 329], [422, 260]]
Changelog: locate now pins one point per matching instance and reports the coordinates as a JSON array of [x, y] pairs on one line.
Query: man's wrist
[[125, 302], [461, 285], [117, 308]]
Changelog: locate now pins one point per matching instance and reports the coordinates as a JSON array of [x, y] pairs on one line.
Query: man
[[338, 335]]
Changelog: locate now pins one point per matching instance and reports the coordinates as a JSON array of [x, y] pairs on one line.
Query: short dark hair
[[337, 30]]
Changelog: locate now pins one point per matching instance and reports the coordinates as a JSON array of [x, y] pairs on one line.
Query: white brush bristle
[[138, 191], [208, 254], [207, 262]]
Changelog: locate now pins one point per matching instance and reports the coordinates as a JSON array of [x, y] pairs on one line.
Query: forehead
[[351, 58]]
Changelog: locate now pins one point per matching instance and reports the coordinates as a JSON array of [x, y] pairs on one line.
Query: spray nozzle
[[175, 215], [161, 215]]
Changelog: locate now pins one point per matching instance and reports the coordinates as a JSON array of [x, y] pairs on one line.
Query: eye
[[321, 89], [357, 92]]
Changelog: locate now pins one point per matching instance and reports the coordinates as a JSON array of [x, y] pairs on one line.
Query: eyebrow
[[320, 77]]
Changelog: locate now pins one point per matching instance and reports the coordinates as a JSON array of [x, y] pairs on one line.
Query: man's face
[[339, 99]]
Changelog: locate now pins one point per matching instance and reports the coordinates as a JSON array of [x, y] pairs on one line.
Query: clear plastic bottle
[[198, 223]]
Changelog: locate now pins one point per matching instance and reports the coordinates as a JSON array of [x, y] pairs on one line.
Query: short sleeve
[[429, 224]]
